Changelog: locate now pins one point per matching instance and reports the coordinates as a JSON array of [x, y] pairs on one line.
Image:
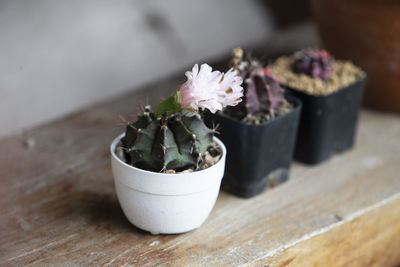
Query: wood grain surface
[[370, 239], [58, 205]]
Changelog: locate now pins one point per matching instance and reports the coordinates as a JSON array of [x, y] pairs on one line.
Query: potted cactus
[[331, 91], [259, 132], [168, 165]]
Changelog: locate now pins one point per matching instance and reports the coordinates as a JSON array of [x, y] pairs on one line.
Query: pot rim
[[359, 81], [289, 97], [116, 140]]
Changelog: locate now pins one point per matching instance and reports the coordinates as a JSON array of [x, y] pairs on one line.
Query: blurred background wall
[[59, 56]]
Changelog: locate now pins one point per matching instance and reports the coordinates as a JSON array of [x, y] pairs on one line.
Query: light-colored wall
[[57, 56]]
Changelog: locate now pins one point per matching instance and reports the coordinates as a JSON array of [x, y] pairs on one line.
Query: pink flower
[[201, 89], [209, 89], [231, 86]]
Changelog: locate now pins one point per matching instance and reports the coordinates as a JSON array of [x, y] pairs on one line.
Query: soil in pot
[[330, 108], [260, 148], [344, 74]]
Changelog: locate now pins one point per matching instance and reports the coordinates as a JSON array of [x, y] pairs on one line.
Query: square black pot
[[328, 123], [257, 155]]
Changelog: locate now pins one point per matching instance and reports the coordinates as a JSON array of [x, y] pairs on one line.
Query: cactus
[[169, 142], [262, 92], [175, 138], [314, 62]]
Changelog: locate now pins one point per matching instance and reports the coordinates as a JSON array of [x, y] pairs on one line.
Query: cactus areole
[[174, 137]]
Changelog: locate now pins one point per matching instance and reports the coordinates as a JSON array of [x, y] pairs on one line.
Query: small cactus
[[169, 142], [175, 138], [314, 62], [262, 92]]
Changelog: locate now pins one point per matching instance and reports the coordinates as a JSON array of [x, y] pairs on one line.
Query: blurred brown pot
[[368, 33]]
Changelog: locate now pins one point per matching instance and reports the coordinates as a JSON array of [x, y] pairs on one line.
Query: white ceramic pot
[[166, 203]]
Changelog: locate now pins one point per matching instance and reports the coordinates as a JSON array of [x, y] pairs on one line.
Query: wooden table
[[58, 204]]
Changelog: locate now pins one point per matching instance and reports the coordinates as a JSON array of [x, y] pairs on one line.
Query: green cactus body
[[176, 142]]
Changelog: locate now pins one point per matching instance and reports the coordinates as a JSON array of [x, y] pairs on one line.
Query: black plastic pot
[[328, 123], [257, 155]]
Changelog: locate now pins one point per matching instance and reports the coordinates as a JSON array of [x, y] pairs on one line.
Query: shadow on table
[[96, 207], [105, 209]]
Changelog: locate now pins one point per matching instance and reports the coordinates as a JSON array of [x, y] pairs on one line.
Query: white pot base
[[166, 203]]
